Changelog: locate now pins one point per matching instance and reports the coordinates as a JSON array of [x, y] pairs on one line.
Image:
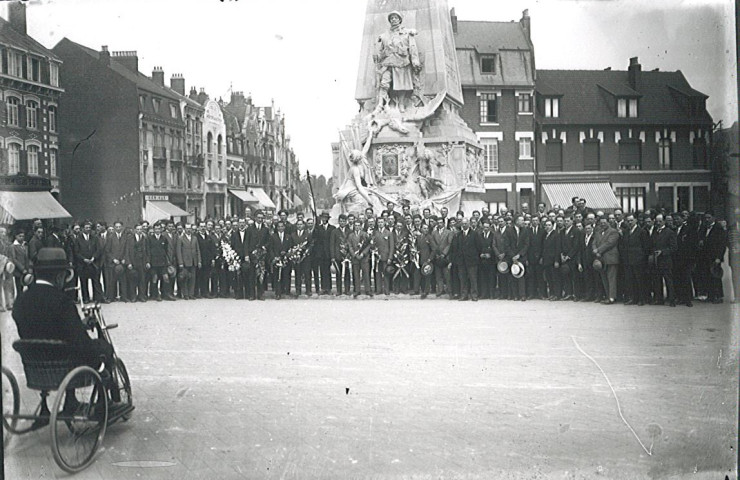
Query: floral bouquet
[[258, 255], [231, 258], [400, 257], [297, 253], [414, 251]]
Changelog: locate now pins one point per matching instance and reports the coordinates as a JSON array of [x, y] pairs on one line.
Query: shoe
[[277, 297], [524, 299], [439, 294], [370, 295], [629, 302], [159, 299], [689, 304], [640, 304], [597, 300], [672, 303], [475, 299], [355, 295], [464, 298], [608, 302], [423, 296]]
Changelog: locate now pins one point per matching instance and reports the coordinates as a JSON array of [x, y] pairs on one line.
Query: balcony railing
[[159, 152]]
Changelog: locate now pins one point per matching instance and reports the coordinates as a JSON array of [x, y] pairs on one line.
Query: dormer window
[[173, 110], [156, 102], [627, 107], [552, 107], [488, 64]]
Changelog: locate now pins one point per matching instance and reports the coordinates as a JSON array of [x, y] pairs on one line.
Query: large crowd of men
[[575, 254]]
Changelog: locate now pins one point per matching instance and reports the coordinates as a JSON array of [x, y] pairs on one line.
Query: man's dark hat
[[51, 259]]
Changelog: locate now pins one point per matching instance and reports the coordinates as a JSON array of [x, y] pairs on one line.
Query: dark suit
[[303, 269], [636, 248], [208, 257], [45, 312], [467, 258], [516, 243], [322, 255], [551, 250], [258, 237], [423, 245], [592, 288], [339, 238], [115, 249], [571, 243], [687, 245], [535, 278], [664, 241], [385, 245], [89, 249], [239, 278], [276, 249], [487, 269], [359, 249], [136, 258], [606, 245], [713, 243], [34, 245]]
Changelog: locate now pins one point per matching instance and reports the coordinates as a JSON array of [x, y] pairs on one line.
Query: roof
[[507, 40], [589, 97], [142, 81], [598, 195], [490, 37], [9, 36], [29, 205]]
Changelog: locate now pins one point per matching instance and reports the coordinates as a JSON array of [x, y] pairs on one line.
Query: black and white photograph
[[369, 239]]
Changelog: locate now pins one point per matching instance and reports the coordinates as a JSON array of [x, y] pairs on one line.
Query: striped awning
[[29, 205], [262, 197], [244, 196], [598, 195]]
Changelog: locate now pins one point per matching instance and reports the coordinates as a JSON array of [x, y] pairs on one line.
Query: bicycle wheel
[[78, 423], [11, 404], [123, 384]]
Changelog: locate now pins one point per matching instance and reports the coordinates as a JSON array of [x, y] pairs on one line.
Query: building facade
[[29, 122], [497, 72], [647, 134], [121, 139]]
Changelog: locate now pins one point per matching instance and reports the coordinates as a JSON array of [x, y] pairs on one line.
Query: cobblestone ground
[[338, 388]]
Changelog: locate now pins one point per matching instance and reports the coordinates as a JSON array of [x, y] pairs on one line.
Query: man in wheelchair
[[44, 311]]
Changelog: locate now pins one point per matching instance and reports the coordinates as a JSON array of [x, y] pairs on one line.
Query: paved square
[[335, 388]]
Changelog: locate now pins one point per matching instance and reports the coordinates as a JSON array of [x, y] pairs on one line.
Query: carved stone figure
[[423, 173], [354, 194], [397, 61]]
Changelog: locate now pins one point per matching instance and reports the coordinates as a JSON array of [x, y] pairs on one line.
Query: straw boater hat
[[517, 270], [502, 267]]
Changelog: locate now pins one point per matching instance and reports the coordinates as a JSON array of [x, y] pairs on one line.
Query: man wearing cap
[[44, 312]]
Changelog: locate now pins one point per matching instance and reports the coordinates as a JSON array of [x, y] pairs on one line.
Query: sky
[[304, 54]]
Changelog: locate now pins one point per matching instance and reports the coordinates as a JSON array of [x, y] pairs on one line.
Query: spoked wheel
[[123, 385], [78, 419], [11, 405]]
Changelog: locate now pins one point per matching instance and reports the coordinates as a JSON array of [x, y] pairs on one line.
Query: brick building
[[122, 137], [30, 123], [497, 72], [644, 135]]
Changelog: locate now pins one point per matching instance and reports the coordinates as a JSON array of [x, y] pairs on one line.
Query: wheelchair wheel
[[78, 422], [123, 384], [11, 404]]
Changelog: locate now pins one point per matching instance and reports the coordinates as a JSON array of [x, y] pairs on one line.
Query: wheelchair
[[80, 412]]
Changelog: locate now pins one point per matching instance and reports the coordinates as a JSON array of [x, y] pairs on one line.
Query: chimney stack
[[17, 17], [177, 83], [128, 59], [158, 76], [634, 73], [202, 96], [526, 24], [453, 19], [104, 55]]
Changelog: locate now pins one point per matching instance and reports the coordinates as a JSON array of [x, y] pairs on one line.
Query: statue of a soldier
[[397, 59]]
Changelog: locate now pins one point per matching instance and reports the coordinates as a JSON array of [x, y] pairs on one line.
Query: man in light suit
[[188, 259], [385, 243], [116, 248], [440, 243], [605, 249]]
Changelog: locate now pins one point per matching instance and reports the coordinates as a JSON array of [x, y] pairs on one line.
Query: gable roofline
[[14, 39]]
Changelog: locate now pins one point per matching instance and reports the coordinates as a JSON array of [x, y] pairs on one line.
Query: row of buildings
[[636, 138], [112, 143]]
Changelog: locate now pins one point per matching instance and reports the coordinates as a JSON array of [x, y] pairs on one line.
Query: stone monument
[[408, 143]]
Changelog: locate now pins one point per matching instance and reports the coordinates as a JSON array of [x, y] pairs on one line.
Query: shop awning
[[297, 202], [262, 197], [160, 210], [244, 196], [598, 195], [29, 205]]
